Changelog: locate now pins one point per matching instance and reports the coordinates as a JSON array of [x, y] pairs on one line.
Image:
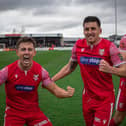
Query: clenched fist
[[105, 67], [70, 91]]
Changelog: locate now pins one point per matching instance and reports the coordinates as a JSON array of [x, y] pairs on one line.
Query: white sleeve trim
[[120, 64]]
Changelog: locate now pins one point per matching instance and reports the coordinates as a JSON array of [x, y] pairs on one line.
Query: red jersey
[[21, 86], [122, 47], [122, 86], [96, 83]]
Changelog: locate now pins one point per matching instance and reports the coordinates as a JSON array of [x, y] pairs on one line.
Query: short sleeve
[[115, 55], [74, 56], [45, 78], [3, 75]]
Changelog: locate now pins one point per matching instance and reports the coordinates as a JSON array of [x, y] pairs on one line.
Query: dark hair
[[25, 40], [92, 19]]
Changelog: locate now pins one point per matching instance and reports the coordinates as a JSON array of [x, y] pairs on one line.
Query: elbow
[[70, 70]]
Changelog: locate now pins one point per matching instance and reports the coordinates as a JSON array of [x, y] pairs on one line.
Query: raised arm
[[66, 70], [48, 83]]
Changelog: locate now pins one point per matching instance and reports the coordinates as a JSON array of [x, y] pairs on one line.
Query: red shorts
[[19, 118], [97, 112], [121, 97]]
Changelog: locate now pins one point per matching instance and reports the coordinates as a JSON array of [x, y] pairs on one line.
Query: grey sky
[[60, 16]]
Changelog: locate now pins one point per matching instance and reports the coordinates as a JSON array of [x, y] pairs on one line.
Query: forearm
[[119, 72], [60, 92], [66, 70], [62, 73]]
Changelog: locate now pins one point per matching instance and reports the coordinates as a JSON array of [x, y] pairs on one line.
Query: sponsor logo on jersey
[[101, 51], [90, 60], [35, 77], [24, 88]]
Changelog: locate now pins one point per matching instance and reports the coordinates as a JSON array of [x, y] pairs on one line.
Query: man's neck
[[94, 43], [23, 67]]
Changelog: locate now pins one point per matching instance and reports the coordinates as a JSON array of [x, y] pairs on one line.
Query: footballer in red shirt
[[121, 97], [98, 94], [22, 79]]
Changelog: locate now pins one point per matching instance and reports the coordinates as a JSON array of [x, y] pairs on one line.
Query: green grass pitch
[[62, 112]]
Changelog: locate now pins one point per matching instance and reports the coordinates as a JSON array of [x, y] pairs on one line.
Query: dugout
[[43, 40]]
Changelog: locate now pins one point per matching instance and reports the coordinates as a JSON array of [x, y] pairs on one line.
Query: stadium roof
[[31, 35]]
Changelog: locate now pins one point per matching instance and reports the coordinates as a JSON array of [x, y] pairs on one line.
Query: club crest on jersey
[[101, 51], [35, 77]]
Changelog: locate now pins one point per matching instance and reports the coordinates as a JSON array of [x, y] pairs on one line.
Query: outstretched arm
[[53, 88], [60, 92], [66, 70], [119, 71]]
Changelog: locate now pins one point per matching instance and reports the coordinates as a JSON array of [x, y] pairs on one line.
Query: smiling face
[[92, 32], [25, 52]]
